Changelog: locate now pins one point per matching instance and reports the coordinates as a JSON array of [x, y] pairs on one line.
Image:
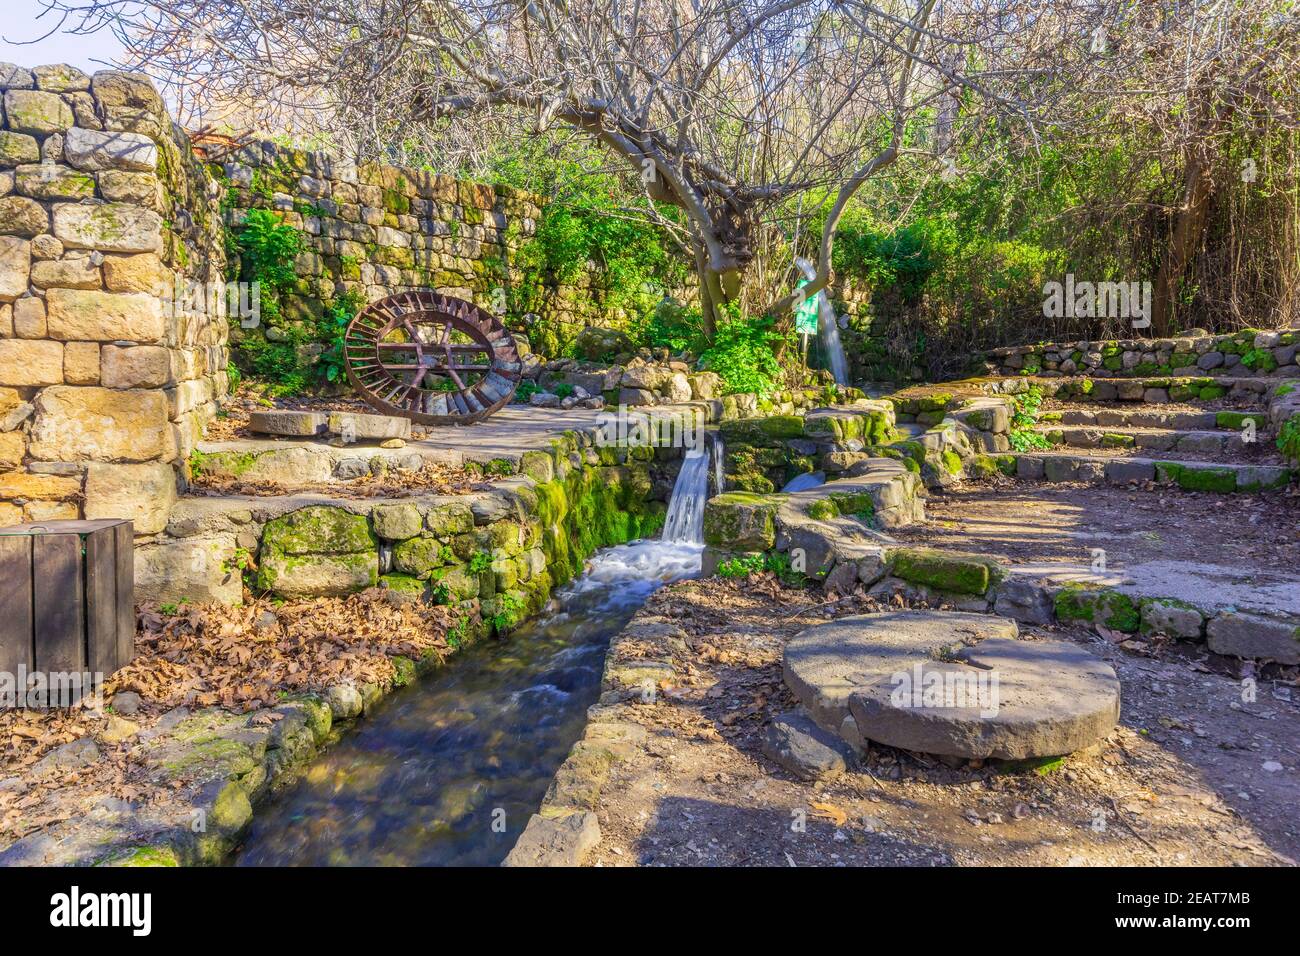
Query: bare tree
[[729, 111]]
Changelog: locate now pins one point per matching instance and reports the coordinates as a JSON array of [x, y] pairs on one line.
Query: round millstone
[[951, 683]]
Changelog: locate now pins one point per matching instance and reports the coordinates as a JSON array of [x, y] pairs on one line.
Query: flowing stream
[[448, 771], [828, 328]]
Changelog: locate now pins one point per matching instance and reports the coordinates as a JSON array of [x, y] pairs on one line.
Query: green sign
[[805, 316]]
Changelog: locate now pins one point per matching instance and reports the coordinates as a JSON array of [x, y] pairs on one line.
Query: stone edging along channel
[[222, 764]]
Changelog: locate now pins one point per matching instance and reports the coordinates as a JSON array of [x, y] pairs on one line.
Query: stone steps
[[1221, 477], [1153, 418], [1160, 390], [1210, 445]]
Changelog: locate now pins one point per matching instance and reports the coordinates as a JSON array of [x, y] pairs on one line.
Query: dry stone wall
[[106, 378]]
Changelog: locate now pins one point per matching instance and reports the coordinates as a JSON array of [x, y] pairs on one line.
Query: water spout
[[828, 328]]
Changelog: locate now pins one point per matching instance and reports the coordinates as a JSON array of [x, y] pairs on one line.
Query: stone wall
[[105, 379], [1244, 353], [379, 229], [502, 549]]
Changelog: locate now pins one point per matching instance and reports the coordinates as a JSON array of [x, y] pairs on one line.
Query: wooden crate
[[67, 597]]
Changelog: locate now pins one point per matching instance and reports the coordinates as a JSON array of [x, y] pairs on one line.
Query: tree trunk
[[1189, 226]]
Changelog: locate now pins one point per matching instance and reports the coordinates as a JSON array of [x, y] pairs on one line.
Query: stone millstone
[[873, 677], [356, 427]]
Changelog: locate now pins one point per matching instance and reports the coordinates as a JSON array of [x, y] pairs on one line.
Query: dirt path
[[1193, 775], [1031, 522]]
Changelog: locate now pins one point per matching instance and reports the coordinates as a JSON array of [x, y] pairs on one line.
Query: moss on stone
[[141, 856], [319, 529], [960, 573], [1095, 605], [1222, 480]]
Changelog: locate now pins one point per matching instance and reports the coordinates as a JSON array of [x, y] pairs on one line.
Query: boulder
[[795, 742]]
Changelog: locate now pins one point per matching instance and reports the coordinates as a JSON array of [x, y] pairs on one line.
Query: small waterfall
[[685, 522], [828, 328], [719, 465]]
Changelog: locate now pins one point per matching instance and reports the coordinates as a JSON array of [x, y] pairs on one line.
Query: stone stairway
[[1202, 434]]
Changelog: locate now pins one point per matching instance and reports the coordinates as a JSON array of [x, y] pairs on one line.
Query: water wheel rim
[[399, 387]]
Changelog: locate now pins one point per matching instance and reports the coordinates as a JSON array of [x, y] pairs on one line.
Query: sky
[[19, 23]]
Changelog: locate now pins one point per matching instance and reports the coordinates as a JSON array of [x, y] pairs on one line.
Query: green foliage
[[671, 326], [774, 562], [330, 328], [1288, 438], [743, 354], [563, 390], [1024, 416], [526, 390], [265, 249], [480, 562], [901, 258]]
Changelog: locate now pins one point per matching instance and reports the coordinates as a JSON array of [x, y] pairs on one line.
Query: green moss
[[739, 521], [951, 462], [1237, 420], [141, 856], [762, 431], [1221, 480], [1088, 603], [1114, 440], [319, 529], [403, 670], [1211, 392], [960, 573]]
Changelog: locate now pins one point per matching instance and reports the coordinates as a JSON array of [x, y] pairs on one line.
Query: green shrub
[[743, 354]]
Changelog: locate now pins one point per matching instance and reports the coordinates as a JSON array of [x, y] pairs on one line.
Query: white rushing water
[[719, 476], [828, 328], [685, 521]]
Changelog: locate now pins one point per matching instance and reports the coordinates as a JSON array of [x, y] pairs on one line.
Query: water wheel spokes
[[431, 358]]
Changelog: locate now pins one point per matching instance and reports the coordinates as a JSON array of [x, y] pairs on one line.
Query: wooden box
[[67, 597]]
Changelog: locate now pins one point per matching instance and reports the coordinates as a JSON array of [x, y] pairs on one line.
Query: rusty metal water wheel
[[431, 358]]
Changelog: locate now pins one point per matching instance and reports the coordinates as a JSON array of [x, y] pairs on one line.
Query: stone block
[[30, 362], [20, 216], [143, 494], [1255, 637], [100, 424], [93, 150], [355, 427], [108, 227], [135, 366], [81, 363], [29, 318], [79, 272], [36, 111], [53, 181], [282, 422], [197, 569], [15, 267], [89, 315], [17, 148]]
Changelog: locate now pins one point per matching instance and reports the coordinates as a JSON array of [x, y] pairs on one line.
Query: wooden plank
[[101, 601], [16, 604], [58, 603], [124, 602]]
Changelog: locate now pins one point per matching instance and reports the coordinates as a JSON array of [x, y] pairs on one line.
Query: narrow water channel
[[447, 772]]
